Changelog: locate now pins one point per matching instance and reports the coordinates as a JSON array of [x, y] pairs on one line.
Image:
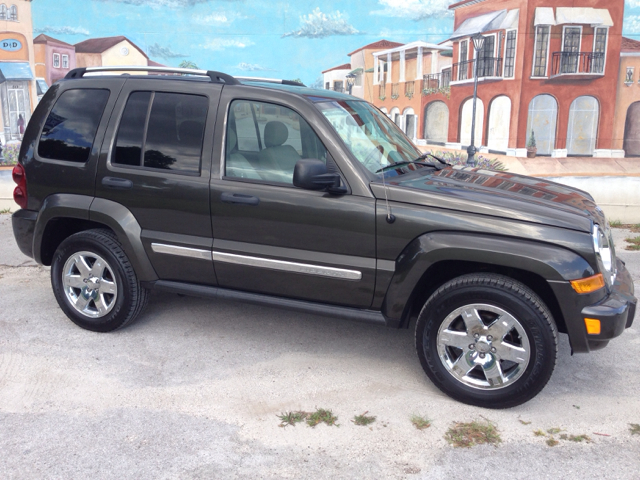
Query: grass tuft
[[291, 418], [634, 429], [363, 419], [539, 433], [322, 415], [473, 433], [552, 442], [525, 423], [615, 223], [5, 210], [579, 438], [553, 431], [635, 243], [420, 422]]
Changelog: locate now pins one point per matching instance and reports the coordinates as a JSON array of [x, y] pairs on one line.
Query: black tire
[[103, 311], [522, 359]]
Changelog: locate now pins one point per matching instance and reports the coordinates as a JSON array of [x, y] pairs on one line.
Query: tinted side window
[[131, 130], [70, 128], [175, 132]]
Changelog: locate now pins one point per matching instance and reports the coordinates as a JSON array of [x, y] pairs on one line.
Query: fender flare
[[111, 214], [550, 262]]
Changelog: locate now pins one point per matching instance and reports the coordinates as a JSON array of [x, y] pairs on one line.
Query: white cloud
[[218, 18], [320, 25], [252, 67], [164, 3], [223, 43], [631, 24], [416, 9], [63, 30], [633, 3], [157, 50]]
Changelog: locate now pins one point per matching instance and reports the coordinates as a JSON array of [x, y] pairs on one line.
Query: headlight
[[603, 248]]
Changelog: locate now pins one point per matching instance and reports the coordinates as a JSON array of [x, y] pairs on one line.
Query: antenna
[[390, 216]]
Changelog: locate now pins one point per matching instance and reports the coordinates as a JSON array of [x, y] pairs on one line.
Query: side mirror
[[312, 174]]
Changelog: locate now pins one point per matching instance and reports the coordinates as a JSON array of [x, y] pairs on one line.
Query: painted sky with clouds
[[296, 39]]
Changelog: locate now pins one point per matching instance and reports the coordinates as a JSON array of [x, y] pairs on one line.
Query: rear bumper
[[615, 311], [24, 224]]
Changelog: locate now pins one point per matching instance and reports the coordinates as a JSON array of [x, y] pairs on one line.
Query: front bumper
[[615, 311]]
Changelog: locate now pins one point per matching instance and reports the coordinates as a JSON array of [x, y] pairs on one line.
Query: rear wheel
[[487, 340], [94, 282]]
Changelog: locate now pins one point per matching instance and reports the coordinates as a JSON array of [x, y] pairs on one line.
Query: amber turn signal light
[[589, 284], [593, 326]]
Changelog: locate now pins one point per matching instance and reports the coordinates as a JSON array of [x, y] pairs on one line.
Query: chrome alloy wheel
[[89, 284], [483, 346]]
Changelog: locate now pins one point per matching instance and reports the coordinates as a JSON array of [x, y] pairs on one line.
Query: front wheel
[[487, 340], [94, 282]]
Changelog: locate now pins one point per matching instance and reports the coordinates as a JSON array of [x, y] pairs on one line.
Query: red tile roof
[[42, 38], [629, 45], [100, 45], [380, 45], [346, 66]]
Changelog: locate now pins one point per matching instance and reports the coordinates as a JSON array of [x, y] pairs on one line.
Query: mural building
[[564, 73]]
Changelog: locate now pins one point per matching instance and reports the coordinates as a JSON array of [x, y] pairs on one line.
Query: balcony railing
[[382, 91], [487, 67], [395, 90], [409, 88], [436, 81], [571, 63]]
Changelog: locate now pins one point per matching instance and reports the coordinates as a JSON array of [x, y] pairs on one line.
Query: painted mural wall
[[401, 54]]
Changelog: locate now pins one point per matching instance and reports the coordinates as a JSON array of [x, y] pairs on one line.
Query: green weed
[[473, 433], [420, 422], [291, 418], [363, 419], [322, 415]]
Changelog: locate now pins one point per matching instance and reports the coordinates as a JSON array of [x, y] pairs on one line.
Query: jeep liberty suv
[[285, 196]]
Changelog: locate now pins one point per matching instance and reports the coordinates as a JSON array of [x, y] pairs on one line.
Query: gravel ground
[[193, 388]]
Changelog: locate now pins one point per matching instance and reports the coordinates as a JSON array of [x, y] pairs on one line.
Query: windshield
[[369, 134]]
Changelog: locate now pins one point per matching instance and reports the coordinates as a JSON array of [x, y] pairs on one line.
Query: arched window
[[13, 13], [3, 12], [436, 122], [499, 123], [582, 130], [543, 114]]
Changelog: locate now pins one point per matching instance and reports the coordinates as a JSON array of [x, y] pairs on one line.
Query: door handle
[[115, 182], [240, 198]]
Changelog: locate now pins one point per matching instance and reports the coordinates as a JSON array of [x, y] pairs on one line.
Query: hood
[[498, 194]]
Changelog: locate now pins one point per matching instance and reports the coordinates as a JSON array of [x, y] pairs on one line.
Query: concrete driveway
[[193, 388]]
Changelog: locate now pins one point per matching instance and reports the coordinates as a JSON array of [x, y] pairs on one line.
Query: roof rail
[[271, 80], [216, 77]]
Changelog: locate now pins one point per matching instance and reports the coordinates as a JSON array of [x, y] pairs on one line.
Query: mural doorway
[[583, 126], [409, 123], [542, 118], [465, 122], [395, 116], [631, 143], [16, 109], [499, 123], [436, 122]]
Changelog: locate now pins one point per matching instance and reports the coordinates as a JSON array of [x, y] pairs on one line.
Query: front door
[[273, 238]]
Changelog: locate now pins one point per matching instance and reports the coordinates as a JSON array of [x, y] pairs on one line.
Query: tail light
[[20, 192]]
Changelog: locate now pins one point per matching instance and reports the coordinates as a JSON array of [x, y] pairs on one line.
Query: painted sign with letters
[[10, 45]]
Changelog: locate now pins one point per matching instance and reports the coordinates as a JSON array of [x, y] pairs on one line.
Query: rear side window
[[167, 136], [70, 129]]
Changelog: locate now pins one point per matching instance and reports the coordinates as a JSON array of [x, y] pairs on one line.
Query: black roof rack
[[216, 77]]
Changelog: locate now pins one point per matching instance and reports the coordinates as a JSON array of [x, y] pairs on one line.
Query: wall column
[[435, 56], [419, 64], [376, 70], [389, 68], [402, 66]]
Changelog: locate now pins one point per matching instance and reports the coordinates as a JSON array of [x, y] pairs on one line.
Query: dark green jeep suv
[[199, 183]]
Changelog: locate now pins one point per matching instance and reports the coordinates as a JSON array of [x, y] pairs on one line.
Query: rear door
[[156, 161]]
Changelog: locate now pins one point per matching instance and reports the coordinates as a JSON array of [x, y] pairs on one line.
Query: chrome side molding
[[285, 266], [181, 251]]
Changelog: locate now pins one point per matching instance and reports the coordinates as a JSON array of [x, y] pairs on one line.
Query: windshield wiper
[[412, 162], [429, 154], [417, 161]]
